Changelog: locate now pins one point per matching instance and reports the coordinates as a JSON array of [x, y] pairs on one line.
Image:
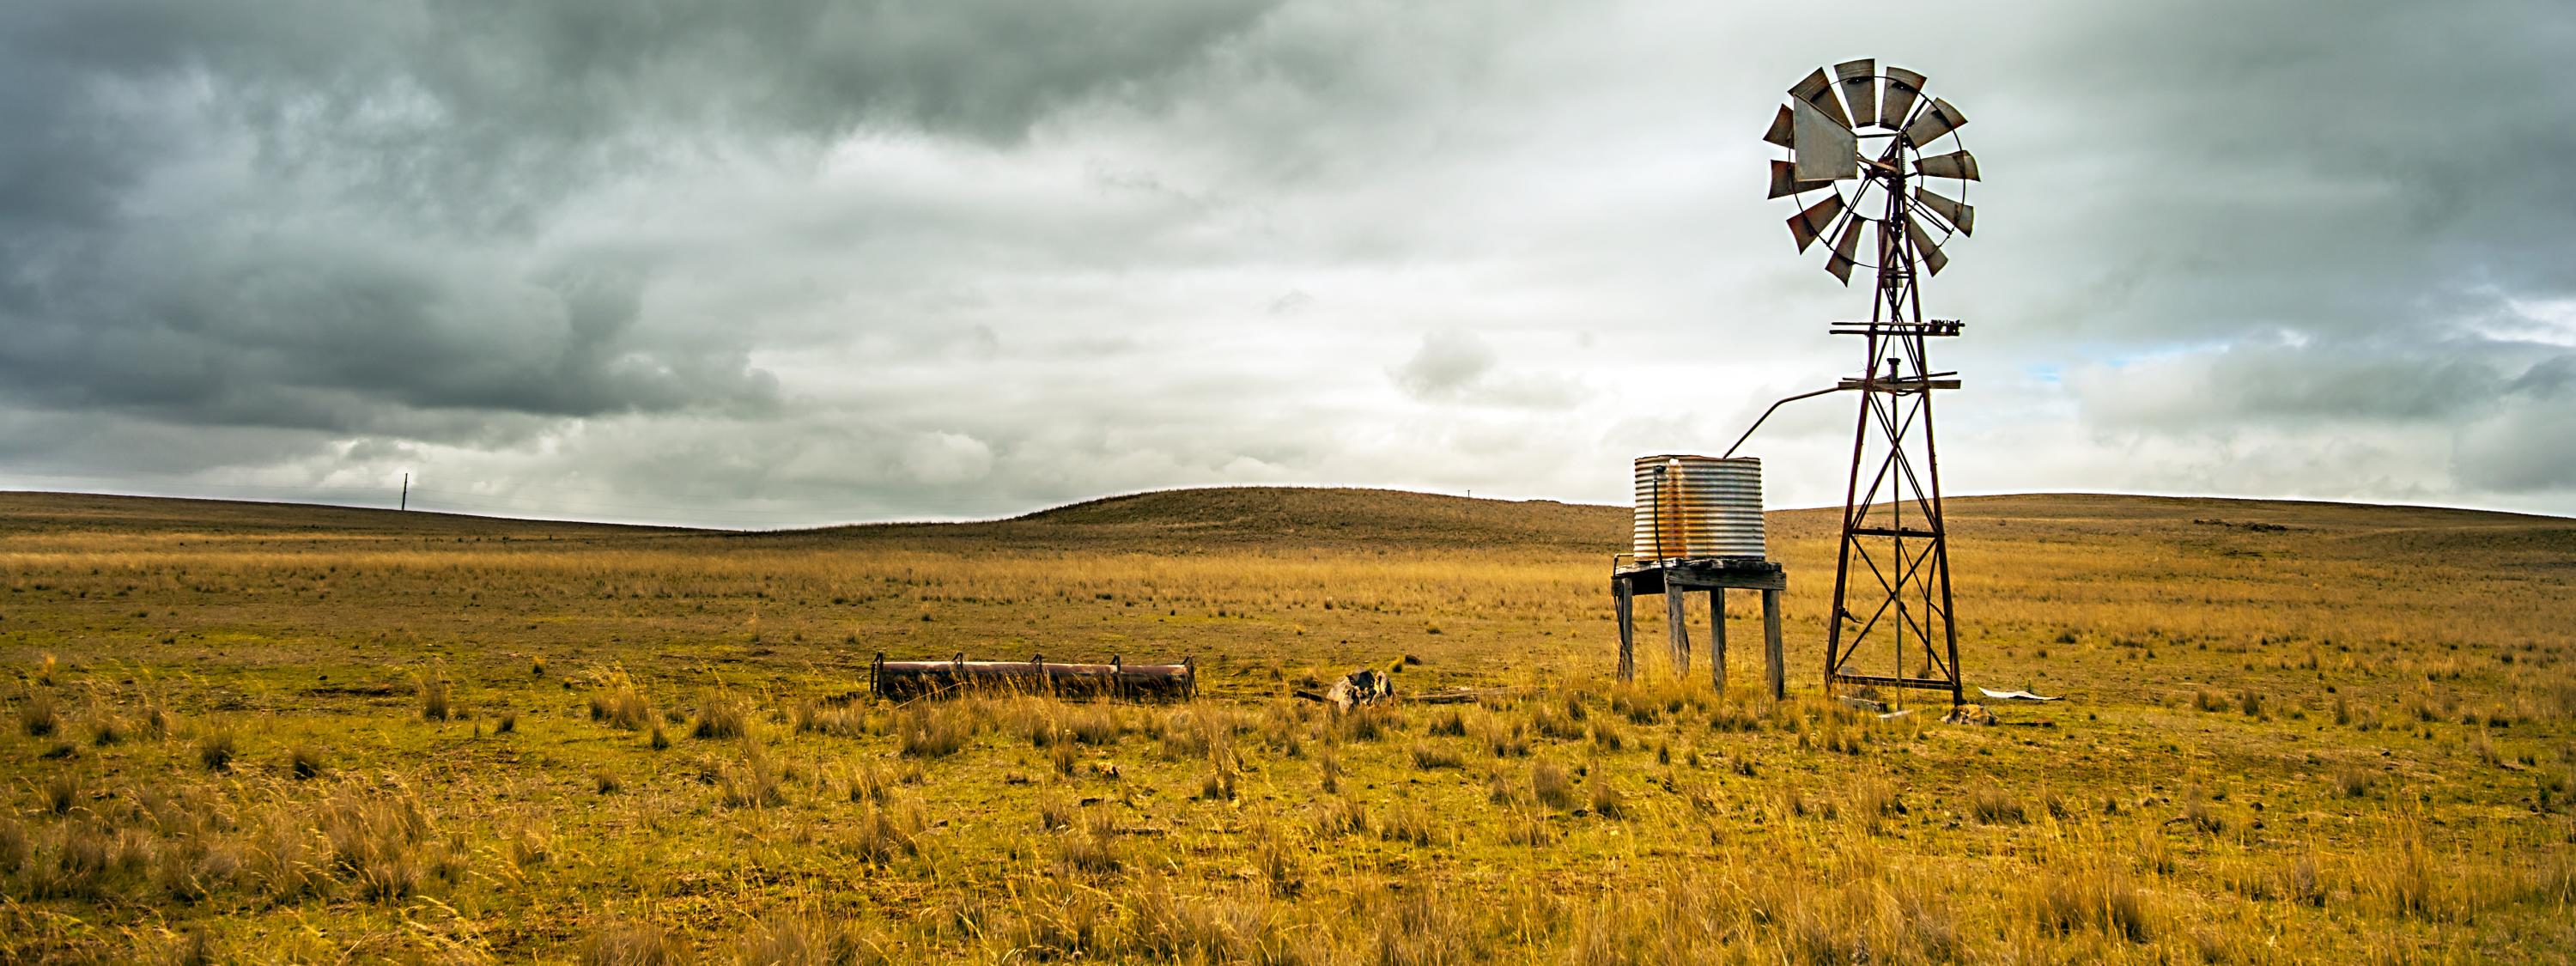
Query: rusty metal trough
[[905, 680]]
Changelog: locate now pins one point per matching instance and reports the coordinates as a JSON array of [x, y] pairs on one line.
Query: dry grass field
[[2293, 733]]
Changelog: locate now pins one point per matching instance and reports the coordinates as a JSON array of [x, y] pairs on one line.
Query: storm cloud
[[804, 262]]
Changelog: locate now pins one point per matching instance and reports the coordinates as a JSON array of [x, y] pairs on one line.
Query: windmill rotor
[[1867, 147]]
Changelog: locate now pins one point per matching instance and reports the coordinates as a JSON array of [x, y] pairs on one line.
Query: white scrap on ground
[[2014, 696]]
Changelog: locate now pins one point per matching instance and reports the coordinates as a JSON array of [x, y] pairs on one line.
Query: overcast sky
[[780, 263]]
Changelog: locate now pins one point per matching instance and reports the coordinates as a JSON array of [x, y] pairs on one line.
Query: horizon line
[[1049, 508]]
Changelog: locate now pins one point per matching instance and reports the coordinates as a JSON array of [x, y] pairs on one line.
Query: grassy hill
[[1335, 516], [2293, 732], [33, 512], [1312, 516]]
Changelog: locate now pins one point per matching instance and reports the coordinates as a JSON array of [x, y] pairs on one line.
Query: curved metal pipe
[[1775, 407]]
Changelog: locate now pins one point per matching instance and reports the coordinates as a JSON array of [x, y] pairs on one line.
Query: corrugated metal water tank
[[1698, 506]]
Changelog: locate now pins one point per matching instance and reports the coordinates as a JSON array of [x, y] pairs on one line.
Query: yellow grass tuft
[[1550, 785], [753, 780], [304, 761], [434, 693], [630, 943], [934, 731], [1429, 756], [38, 716], [216, 748], [619, 704], [722, 717], [1992, 805]]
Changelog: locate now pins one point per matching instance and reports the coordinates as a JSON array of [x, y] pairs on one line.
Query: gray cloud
[[1448, 362], [1457, 366], [324, 216], [351, 337], [2292, 383], [2340, 416], [2368, 169], [807, 261], [2525, 442]]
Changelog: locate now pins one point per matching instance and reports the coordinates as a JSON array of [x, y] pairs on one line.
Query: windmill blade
[[1806, 225], [1957, 213], [1782, 129], [1846, 245], [1860, 89], [1818, 91], [1827, 150], [1784, 180], [1941, 119], [1933, 260], [1902, 87], [1956, 164]]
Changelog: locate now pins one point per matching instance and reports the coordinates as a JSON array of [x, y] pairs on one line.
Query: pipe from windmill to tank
[[1775, 407]]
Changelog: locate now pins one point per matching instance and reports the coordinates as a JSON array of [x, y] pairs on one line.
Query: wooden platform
[[1676, 580]]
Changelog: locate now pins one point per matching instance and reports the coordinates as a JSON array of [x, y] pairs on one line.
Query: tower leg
[[1717, 638], [1677, 619], [1624, 595], [1773, 668]]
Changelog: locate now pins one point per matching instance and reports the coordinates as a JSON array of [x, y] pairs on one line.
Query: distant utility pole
[[406, 494]]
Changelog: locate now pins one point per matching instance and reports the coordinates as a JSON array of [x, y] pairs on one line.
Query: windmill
[[1881, 158]]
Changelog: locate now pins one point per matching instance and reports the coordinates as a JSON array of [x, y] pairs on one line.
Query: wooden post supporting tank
[[1677, 622], [1717, 638], [1772, 663], [1625, 595]]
